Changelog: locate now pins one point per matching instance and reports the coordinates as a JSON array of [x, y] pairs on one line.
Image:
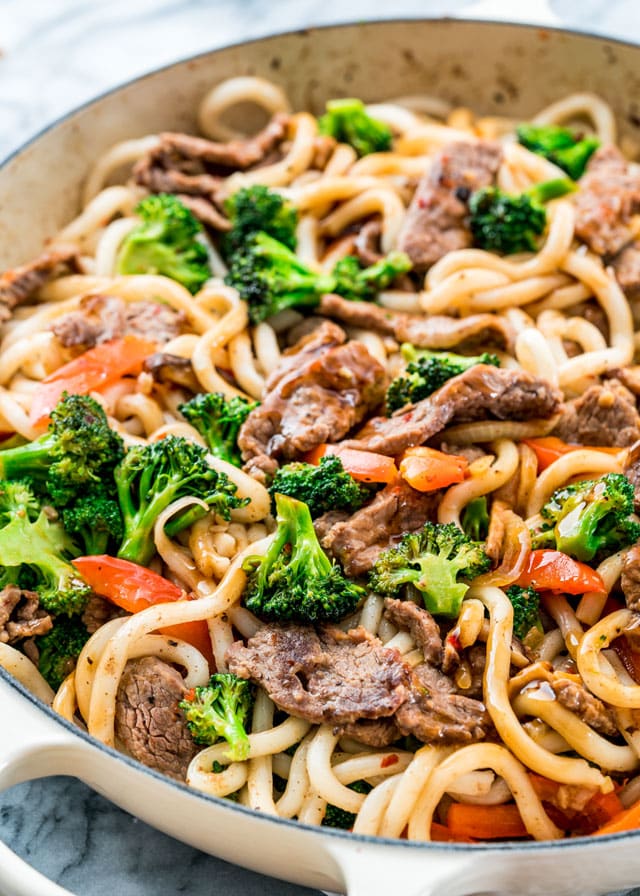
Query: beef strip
[[630, 579], [435, 223], [372, 732], [325, 675], [632, 472], [171, 369], [205, 211], [480, 392], [367, 242], [435, 332], [318, 393], [21, 283], [101, 318], [357, 540], [608, 197], [420, 624], [590, 709], [98, 611], [626, 266], [148, 720], [604, 415], [434, 713], [21, 615]]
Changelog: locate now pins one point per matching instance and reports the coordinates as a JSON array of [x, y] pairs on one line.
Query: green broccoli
[[59, 649], [348, 122], [295, 580], [475, 519], [167, 241], [589, 520], [95, 518], [218, 420], [257, 208], [526, 610], [363, 284], [507, 224], [153, 476], [427, 371], [340, 818], [559, 145], [34, 551], [79, 450], [433, 560], [323, 487], [221, 710], [270, 278]]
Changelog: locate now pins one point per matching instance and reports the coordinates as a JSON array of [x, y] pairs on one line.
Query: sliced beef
[[627, 269], [421, 625], [590, 709], [357, 540], [148, 721], [98, 611], [367, 242], [434, 713], [608, 197], [193, 167], [320, 391], [101, 318], [604, 415], [630, 579], [21, 615], [325, 675], [172, 370], [632, 472], [436, 332], [435, 223], [373, 732], [21, 283], [480, 392]]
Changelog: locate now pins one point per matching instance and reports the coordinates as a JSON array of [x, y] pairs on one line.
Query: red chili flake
[[391, 759], [453, 638]]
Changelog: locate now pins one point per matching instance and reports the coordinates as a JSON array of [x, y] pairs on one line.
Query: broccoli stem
[[551, 189]]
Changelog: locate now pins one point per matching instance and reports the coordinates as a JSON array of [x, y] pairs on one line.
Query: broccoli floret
[[433, 560], [559, 145], [363, 284], [427, 371], [165, 242], [507, 224], [153, 476], [340, 818], [96, 519], [323, 487], [526, 610], [35, 546], [295, 580], [589, 520], [257, 208], [221, 711], [78, 450], [475, 519], [59, 649], [348, 122], [218, 420]]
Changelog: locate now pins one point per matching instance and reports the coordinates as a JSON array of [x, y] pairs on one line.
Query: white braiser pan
[[494, 68]]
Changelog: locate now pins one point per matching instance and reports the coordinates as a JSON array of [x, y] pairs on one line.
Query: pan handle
[[32, 745]]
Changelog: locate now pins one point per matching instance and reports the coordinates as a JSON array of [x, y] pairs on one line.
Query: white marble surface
[[55, 54]]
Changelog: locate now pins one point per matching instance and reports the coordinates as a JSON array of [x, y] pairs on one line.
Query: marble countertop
[[53, 56]]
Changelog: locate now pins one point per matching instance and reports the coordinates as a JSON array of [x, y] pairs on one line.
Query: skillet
[[494, 68]]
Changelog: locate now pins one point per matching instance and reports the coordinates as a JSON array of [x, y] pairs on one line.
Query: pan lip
[[567, 844], [345, 837]]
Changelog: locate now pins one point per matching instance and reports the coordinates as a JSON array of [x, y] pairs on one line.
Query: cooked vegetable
[[427, 470], [485, 822], [257, 208], [340, 818], [364, 466], [526, 609], [60, 648], [555, 571], [95, 519], [363, 284], [34, 551], [127, 585], [221, 710], [152, 476], [475, 519], [167, 242], [559, 145], [508, 224], [322, 488], [629, 820], [427, 371], [270, 278], [348, 122], [439, 560], [78, 451], [590, 520], [218, 420], [549, 448], [295, 580]]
